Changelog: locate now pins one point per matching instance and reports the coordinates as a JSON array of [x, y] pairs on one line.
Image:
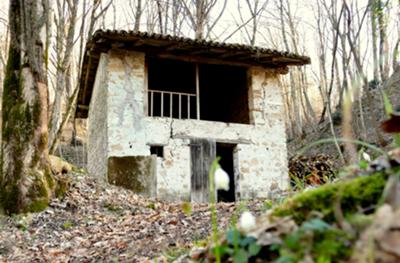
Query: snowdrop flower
[[366, 157], [221, 179], [247, 221]]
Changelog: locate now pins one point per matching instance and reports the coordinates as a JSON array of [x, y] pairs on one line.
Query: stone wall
[[267, 112], [97, 125], [259, 159], [125, 104], [173, 171], [260, 163]]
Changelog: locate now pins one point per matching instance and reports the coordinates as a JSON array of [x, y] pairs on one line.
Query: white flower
[[247, 221], [366, 157], [221, 179]]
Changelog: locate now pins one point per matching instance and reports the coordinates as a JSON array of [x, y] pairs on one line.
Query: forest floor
[[99, 222], [372, 105]]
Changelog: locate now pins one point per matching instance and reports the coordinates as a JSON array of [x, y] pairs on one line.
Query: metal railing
[[172, 104]]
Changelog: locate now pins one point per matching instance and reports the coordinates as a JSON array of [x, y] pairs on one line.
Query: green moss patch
[[361, 192], [62, 186], [137, 173], [38, 205]]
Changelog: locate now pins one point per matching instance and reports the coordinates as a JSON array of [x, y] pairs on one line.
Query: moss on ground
[[361, 192], [62, 186], [38, 205]]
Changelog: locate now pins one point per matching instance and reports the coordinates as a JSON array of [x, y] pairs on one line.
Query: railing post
[[188, 105], [197, 92], [180, 106], [151, 103], [162, 104], [170, 104]]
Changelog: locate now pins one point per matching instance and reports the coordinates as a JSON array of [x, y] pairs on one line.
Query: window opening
[[157, 150], [184, 90], [171, 88], [224, 94]]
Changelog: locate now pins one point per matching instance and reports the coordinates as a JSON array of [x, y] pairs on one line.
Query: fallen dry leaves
[[99, 222], [381, 241]]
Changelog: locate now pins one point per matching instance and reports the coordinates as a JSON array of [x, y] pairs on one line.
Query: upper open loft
[[192, 79], [185, 90]]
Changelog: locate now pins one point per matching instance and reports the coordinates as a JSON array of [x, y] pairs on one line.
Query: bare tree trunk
[[293, 93], [71, 102], [328, 95], [396, 49], [198, 13], [163, 16], [383, 40], [138, 15], [26, 181], [345, 67], [176, 7], [310, 109], [300, 80], [200, 19], [356, 55], [64, 47], [255, 8], [335, 22], [372, 5], [322, 48]]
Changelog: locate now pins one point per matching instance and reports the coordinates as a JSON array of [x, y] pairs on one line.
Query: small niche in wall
[[157, 150]]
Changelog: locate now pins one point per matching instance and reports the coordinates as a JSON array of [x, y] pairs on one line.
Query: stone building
[[161, 108]]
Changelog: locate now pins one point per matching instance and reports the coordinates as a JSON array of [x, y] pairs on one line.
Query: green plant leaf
[[226, 250], [316, 224], [274, 247], [363, 164], [233, 236], [292, 241], [241, 256], [323, 259], [247, 241], [285, 259], [387, 104], [254, 249], [397, 139], [267, 204]]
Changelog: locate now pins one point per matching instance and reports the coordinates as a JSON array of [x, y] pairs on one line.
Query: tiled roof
[[153, 44], [130, 35]]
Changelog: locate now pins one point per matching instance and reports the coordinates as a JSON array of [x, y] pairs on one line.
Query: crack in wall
[[171, 133], [171, 129]]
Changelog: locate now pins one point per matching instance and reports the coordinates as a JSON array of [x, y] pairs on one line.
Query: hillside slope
[[323, 131]]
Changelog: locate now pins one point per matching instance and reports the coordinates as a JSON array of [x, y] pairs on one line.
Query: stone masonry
[[118, 126]]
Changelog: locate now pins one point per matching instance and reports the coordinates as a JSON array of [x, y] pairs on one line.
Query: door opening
[[202, 154], [225, 152]]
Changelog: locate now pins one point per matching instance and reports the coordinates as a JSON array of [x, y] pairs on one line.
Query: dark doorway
[[225, 152]]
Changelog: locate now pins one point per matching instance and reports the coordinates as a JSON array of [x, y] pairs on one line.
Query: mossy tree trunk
[[26, 181]]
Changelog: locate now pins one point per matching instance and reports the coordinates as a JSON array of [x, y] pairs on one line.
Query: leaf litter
[[96, 221]]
